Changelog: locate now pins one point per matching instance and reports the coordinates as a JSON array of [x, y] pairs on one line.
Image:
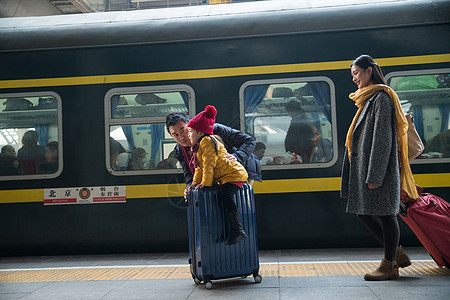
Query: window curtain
[[114, 104], [315, 116], [321, 93], [42, 130], [185, 97], [444, 109], [157, 131], [418, 120], [253, 95], [127, 129]]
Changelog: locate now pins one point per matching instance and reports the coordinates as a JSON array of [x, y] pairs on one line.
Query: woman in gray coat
[[371, 173]]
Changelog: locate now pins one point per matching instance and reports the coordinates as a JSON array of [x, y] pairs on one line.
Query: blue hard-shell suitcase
[[209, 228]]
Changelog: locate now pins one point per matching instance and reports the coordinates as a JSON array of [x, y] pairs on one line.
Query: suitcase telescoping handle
[[403, 209]]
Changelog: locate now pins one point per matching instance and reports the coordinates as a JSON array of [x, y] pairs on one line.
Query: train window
[[138, 140], [150, 149], [148, 104], [30, 136], [427, 95], [291, 120]]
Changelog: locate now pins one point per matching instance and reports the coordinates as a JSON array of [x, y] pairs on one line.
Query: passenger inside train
[[169, 163], [9, 165], [31, 154], [438, 146], [51, 156], [323, 148], [299, 137], [138, 160]]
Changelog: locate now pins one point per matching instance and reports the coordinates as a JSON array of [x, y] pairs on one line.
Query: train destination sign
[[85, 195]]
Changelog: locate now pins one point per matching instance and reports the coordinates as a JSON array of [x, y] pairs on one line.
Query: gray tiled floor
[[333, 287]]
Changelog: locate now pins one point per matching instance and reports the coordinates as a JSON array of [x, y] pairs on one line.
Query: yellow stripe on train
[[215, 73], [266, 187]]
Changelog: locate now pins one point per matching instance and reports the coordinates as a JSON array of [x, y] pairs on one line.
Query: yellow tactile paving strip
[[183, 272]]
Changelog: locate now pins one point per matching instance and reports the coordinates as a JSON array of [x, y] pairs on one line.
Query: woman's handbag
[[415, 145]]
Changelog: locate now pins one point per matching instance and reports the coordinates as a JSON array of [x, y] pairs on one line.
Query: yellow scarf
[[360, 97]]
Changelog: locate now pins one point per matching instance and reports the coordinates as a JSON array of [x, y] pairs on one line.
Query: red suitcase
[[429, 219]]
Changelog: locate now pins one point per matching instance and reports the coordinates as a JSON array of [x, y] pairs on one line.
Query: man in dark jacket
[[240, 145], [299, 137]]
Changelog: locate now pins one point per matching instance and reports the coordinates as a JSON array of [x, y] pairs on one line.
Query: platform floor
[[287, 274]]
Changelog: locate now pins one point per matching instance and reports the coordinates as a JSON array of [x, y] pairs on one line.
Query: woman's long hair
[[365, 61]]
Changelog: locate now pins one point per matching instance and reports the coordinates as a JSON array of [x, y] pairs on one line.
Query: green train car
[[91, 89]]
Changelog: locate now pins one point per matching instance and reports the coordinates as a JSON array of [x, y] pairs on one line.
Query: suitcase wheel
[[208, 285], [258, 278]]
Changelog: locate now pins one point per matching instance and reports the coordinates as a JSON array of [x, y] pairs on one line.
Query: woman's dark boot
[[402, 259], [237, 233]]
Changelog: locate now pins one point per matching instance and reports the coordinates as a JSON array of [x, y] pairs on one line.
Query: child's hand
[[231, 157], [199, 186]]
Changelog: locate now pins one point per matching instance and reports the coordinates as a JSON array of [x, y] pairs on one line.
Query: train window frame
[[109, 121], [391, 75], [60, 135], [334, 135]]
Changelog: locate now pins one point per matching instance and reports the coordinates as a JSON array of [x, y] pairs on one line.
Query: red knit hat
[[204, 121]]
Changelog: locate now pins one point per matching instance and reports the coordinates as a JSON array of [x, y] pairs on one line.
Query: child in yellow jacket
[[210, 163]]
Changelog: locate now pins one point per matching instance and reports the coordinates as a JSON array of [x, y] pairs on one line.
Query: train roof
[[214, 21]]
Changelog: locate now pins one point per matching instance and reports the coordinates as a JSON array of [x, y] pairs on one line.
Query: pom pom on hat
[[211, 111], [204, 121]]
